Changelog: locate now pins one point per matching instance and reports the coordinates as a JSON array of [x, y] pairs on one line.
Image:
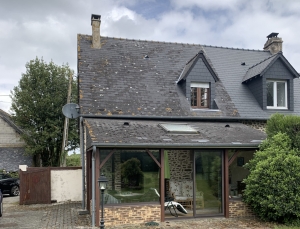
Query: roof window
[[178, 128]]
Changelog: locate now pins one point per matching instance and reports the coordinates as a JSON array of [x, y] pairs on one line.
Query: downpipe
[[93, 186]]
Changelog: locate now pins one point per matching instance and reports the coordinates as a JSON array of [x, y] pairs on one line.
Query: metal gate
[[35, 186]]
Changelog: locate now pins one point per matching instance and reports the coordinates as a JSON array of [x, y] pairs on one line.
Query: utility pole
[[66, 127]]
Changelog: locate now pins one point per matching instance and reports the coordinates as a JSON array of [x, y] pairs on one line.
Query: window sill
[[277, 108]]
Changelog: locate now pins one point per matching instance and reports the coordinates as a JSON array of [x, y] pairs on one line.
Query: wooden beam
[[236, 153], [106, 159], [154, 159]]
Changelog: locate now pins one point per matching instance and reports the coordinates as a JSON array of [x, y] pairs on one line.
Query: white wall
[[66, 185]]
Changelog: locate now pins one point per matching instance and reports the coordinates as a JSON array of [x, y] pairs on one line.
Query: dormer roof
[[261, 67], [191, 63]]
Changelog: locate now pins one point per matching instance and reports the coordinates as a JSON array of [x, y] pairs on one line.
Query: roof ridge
[[214, 46], [129, 39]]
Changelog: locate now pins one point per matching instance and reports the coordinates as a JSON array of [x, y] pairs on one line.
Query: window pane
[[204, 97], [281, 94], [132, 176], [208, 165], [193, 96], [270, 94]]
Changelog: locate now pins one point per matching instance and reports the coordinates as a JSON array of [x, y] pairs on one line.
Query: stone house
[[12, 147], [184, 118]]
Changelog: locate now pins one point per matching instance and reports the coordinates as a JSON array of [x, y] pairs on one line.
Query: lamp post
[[102, 182]]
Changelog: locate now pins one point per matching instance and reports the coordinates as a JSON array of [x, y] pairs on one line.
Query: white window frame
[[275, 94]]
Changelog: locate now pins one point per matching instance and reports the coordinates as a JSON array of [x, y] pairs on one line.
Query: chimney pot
[[95, 22], [273, 44]]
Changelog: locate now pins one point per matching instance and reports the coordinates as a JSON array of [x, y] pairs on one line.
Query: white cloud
[[49, 29]]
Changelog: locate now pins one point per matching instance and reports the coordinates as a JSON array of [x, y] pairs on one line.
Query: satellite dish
[[71, 110]]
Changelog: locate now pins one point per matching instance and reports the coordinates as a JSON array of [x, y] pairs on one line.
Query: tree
[[37, 108], [273, 185], [132, 174]]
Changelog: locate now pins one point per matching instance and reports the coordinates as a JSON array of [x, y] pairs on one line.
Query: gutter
[[173, 118], [83, 162], [178, 145]]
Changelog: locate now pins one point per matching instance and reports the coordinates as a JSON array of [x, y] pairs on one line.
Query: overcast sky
[[48, 29]]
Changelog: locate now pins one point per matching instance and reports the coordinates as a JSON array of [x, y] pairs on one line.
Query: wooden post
[[63, 162], [97, 175], [162, 185], [226, 184]]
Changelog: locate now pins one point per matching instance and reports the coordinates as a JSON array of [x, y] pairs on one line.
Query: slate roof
[[259, 68], [117, 79], [263, 66], [7, 118], [145, 133], [189, 65]]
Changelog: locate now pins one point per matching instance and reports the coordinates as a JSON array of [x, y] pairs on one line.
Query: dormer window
[[200, 95], [276, 94]]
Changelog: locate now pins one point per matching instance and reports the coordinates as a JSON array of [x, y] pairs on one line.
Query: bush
[[73, 160], [273, 185], [289, 124]]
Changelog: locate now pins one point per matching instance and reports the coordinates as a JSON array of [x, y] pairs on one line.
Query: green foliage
[[37, 106], [73, 160], [273, 185], [131, 172], [289, 124]]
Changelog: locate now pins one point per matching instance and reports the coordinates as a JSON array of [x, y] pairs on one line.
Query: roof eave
[[178, 145]]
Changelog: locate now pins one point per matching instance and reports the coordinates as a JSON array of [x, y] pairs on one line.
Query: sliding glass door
[[208, 182]]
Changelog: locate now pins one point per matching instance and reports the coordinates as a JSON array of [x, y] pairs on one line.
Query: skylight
[[178, 128]]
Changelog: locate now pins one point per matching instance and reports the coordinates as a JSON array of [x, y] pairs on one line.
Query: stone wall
[[180, 165], [237, 208], [131, 214], [258, 125]]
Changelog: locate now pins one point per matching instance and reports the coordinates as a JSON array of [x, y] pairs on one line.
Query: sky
[[48, 29]]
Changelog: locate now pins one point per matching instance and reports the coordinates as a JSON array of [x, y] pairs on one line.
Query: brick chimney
[[95, 22], [273, 44]]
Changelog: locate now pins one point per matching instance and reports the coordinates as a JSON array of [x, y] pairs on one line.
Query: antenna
[[70, 110]]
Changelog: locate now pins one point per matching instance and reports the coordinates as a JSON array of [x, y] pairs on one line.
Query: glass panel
[[178, 128], [180, 183], [193, 96], [281, 94], [204, 97], [132, 176], [270, 94], [237, 173], [208, 188]]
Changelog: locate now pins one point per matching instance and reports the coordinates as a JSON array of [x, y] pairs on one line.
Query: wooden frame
[[196, 100]]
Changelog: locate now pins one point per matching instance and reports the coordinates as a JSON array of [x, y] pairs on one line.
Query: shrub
[[273, 185], [73, 160]]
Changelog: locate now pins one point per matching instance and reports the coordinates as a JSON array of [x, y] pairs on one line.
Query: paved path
[[42, 216]]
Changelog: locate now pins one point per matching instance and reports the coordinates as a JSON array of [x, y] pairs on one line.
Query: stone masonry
[[237, 208], [131, 214]]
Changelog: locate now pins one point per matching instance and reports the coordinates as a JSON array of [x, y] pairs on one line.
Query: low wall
[[66, 184], [131, 214], [237, 208]]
